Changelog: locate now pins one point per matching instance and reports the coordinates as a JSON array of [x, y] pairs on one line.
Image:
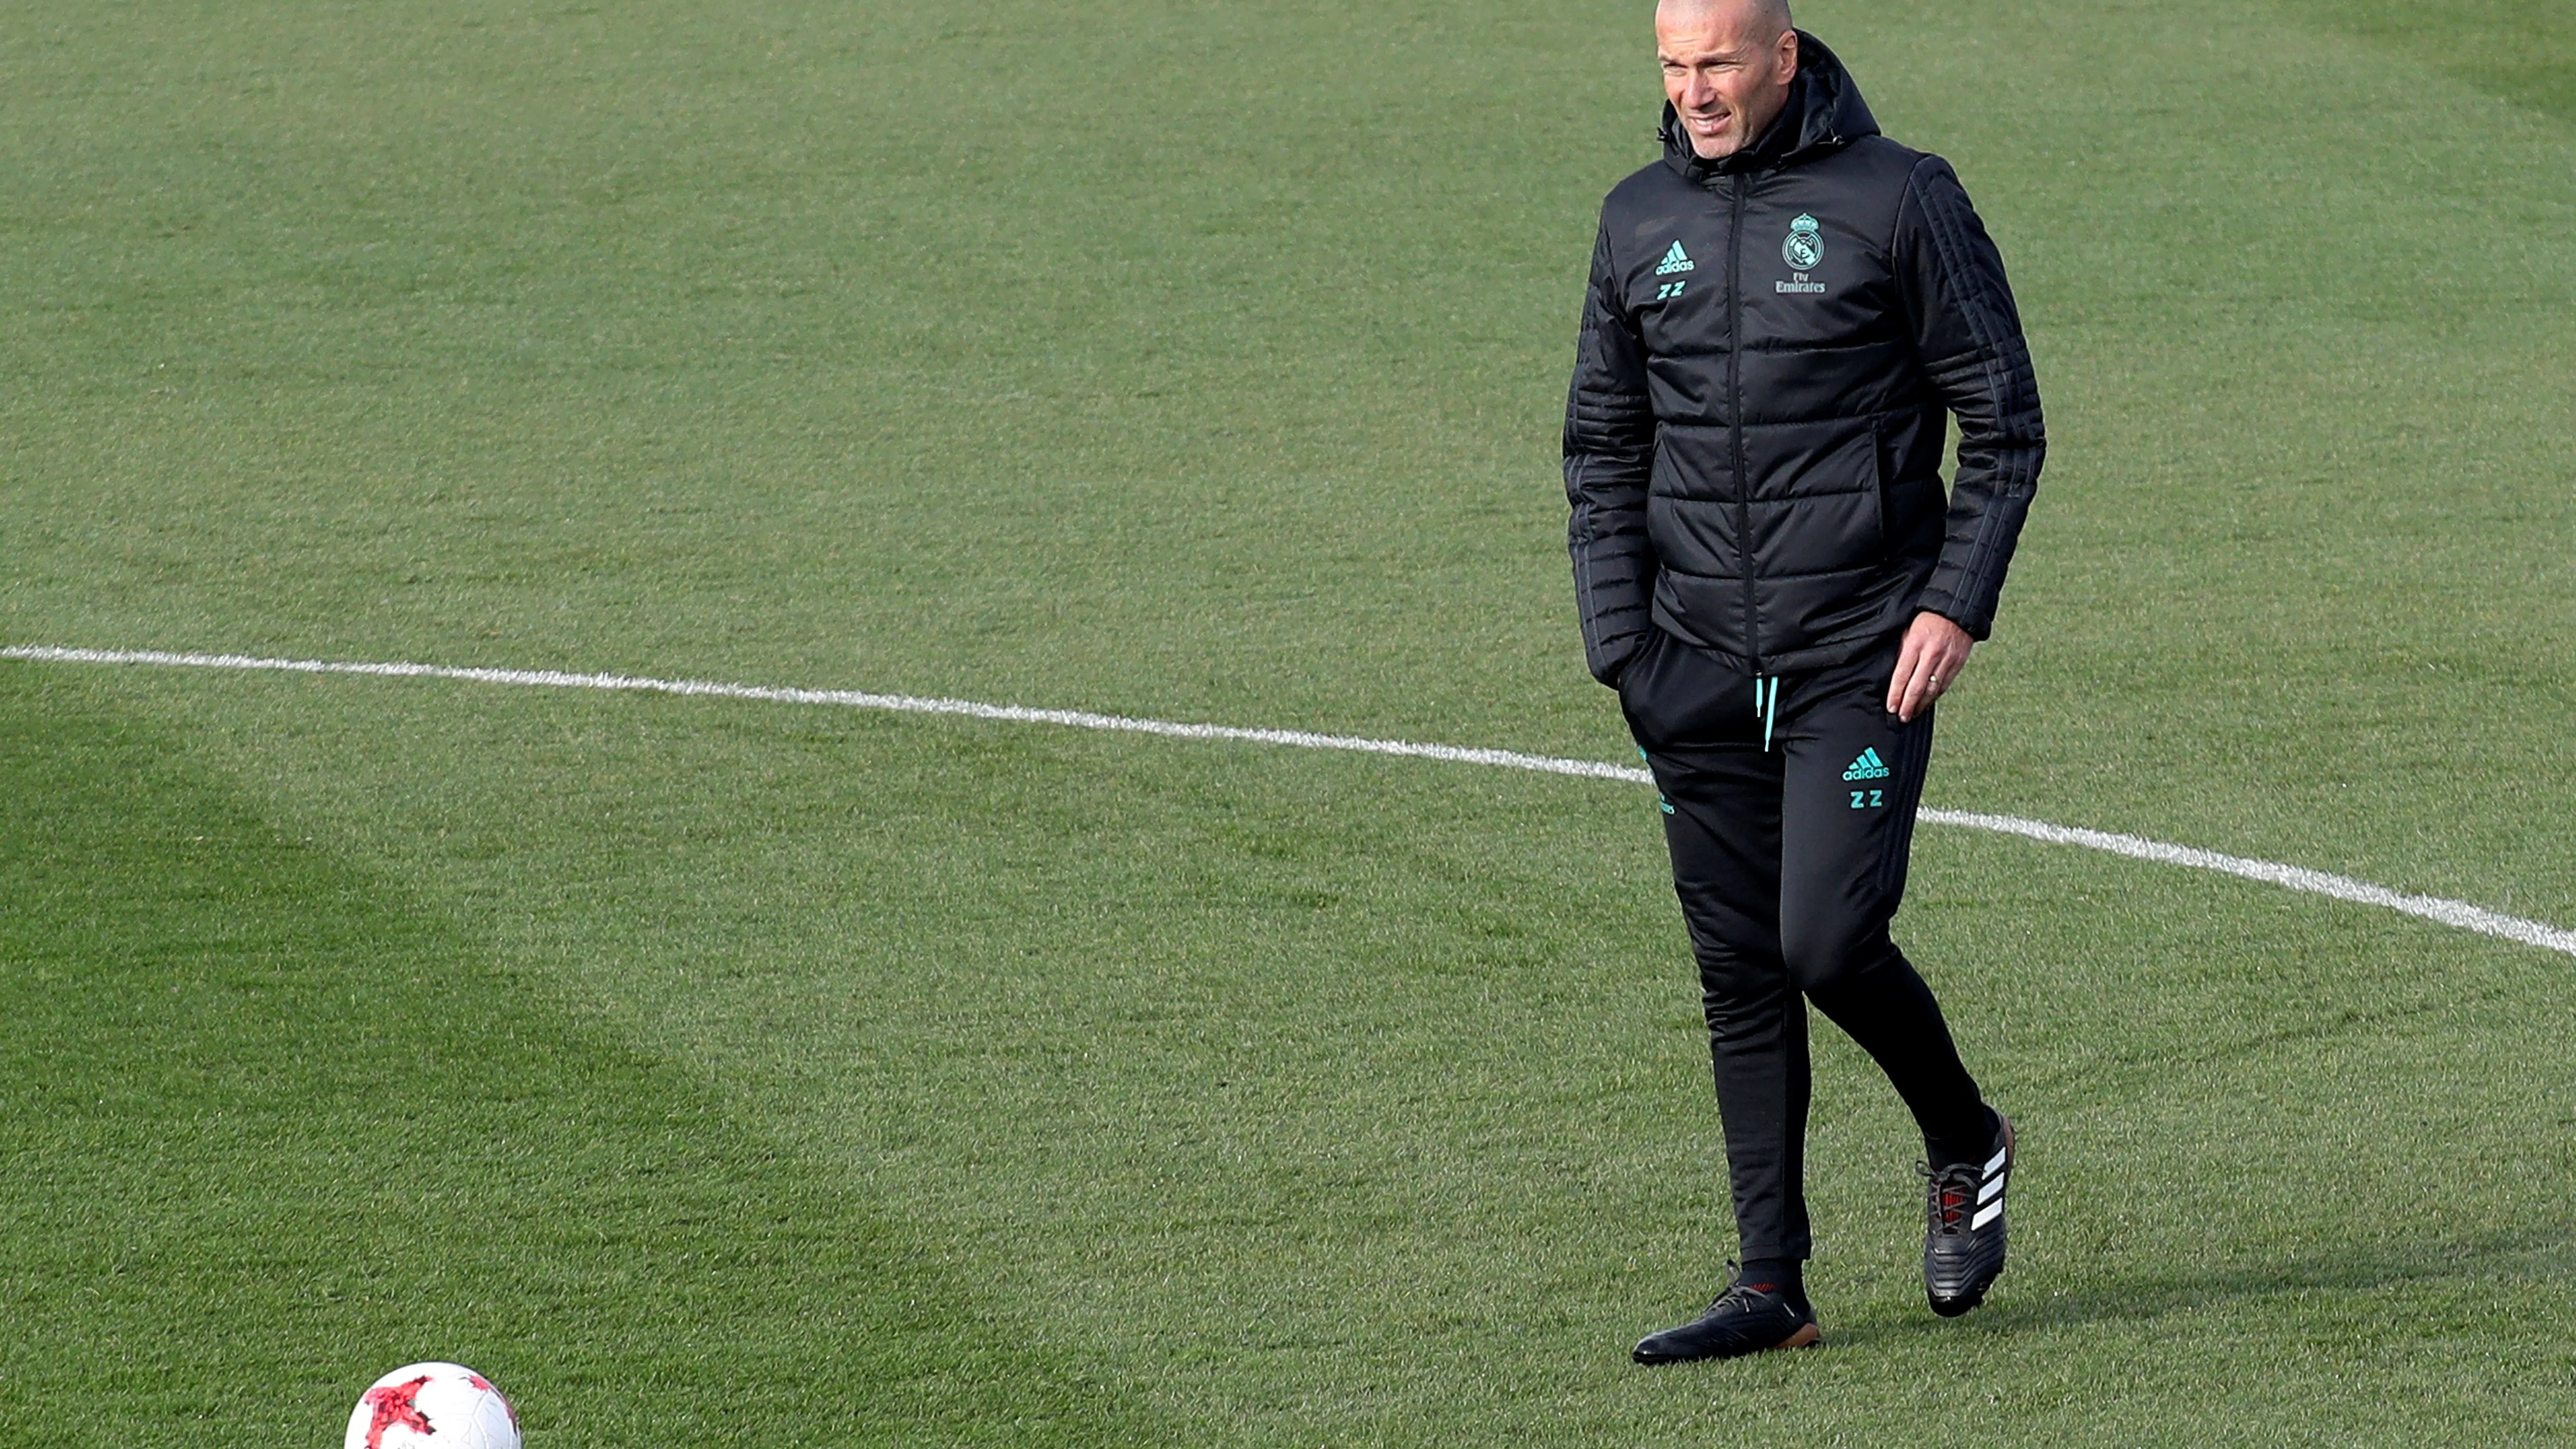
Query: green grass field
[[744, 1074]]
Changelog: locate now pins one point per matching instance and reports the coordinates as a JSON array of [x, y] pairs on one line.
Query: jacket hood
[[1824, 113]]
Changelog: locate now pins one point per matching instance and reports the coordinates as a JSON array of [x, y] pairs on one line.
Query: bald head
[[1763, 17], [1727, 68]]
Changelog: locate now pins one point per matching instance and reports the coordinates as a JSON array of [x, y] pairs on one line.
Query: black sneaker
[[1963, 1226], [1743, 1320]]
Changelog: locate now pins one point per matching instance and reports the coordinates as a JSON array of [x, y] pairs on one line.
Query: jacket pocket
[[1632, 670]]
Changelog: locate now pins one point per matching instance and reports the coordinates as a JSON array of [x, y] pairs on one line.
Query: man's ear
[[1788, 55]]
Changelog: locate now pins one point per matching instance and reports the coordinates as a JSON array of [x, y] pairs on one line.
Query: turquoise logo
[[1804, 247], [1678, 260], [1868, 767]]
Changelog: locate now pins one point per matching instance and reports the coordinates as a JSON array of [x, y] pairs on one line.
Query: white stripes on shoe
[[1990, 1191]]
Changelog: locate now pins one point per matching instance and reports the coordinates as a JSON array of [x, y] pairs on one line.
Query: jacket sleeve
[[1609, 457], [1967, 336]]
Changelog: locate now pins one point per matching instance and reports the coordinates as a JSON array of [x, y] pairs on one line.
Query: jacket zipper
[[1735, 418]]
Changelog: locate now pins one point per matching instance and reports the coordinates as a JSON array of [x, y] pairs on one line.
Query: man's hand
[[1934, 653]]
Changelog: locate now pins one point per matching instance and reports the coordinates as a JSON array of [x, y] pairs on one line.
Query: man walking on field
[[1782, 314]]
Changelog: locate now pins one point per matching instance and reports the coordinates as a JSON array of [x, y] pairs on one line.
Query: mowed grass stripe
[[2459, 914], [266, 1130]]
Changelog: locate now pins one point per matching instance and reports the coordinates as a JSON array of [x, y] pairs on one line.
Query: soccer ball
[[432, 1406]]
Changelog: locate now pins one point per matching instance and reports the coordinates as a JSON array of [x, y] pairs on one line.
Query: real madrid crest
[[1805, 246]]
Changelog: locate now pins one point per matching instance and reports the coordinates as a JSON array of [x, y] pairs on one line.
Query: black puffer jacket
[[1754, 437]]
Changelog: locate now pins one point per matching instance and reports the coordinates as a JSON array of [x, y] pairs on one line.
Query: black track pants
[[1789, 858]]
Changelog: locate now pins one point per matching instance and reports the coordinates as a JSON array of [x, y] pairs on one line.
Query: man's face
[[1726, 77]]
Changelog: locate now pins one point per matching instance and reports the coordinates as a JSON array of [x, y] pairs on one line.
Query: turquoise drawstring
[[1767, 705]]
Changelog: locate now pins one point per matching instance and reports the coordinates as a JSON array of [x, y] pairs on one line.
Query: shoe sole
[[1807, 1336], [1959, 1307]]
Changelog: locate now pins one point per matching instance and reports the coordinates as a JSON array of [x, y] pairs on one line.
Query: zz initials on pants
[[1875, 799]]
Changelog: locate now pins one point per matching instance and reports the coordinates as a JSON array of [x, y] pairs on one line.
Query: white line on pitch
[[2298, 878], [2315, 882]]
